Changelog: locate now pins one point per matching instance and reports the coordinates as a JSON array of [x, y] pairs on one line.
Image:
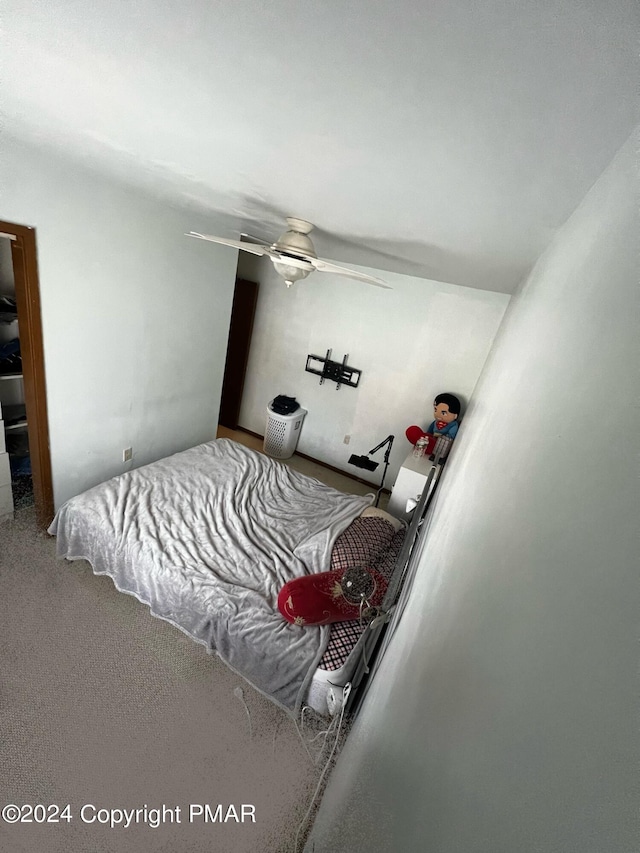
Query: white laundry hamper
[[282, 432]]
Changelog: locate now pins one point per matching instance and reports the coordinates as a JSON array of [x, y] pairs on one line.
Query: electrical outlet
[[347, 439], [127, 454]]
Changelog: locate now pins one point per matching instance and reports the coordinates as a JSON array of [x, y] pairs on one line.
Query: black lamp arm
[[388, 439]]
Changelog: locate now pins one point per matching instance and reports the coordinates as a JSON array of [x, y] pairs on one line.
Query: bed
[[208, 537]]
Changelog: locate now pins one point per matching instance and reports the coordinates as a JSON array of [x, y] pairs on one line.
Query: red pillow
[[320, 599]]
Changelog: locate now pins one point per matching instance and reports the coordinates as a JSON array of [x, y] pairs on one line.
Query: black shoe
[[10, 358]]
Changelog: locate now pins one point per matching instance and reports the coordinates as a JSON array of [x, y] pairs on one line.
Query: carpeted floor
[[104, 706], [22, 490]]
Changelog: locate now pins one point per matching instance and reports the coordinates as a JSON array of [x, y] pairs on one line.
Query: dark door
[[245, 297]]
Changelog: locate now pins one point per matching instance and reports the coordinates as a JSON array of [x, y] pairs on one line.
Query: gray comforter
[[207, 538]]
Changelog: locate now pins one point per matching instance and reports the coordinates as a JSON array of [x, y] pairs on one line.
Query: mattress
[[207, 538]]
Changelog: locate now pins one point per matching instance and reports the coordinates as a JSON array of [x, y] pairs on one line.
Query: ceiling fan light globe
[[290, 273]]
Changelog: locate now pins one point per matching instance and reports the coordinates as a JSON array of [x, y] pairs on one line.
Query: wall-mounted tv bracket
[[333, 370]]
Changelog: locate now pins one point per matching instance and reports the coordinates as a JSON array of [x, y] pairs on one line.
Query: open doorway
[[25, 439], [245, 298]]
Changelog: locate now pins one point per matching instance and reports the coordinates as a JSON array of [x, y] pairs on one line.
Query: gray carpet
[[102, 704], [22, 491]]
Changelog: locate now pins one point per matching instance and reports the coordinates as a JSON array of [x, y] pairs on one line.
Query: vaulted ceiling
[[447, 139]]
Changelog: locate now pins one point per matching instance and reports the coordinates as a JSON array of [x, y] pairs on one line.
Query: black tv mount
[[333, 370]]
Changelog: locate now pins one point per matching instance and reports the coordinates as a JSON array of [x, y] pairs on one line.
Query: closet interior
[[16, 483]]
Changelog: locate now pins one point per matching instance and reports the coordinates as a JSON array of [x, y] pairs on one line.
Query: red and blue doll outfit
[[413, 433]]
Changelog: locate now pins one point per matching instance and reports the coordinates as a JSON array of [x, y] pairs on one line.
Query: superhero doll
[[446, 409]]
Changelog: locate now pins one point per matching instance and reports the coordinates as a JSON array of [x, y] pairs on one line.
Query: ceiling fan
[[292, 254]]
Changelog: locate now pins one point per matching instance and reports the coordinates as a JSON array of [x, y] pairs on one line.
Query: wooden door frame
[[25, 272]]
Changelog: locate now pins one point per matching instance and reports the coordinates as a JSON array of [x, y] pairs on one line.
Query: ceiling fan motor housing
[[296, 240]]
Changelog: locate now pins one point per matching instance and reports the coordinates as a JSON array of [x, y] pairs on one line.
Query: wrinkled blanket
[[207, 538]]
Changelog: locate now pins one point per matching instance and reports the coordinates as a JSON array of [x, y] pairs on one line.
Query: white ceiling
[[442, 138]]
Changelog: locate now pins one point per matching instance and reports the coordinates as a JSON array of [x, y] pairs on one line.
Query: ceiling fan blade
[[235, 244], [250, 238], [325, 266]]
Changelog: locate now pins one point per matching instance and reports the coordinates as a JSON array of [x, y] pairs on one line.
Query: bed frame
[[382, 628]]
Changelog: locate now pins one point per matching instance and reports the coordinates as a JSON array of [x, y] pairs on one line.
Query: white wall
[[504, 716], [412, 342], [135, 316]]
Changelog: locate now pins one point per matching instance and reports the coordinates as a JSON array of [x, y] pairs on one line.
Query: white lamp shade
[[290, 273]]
